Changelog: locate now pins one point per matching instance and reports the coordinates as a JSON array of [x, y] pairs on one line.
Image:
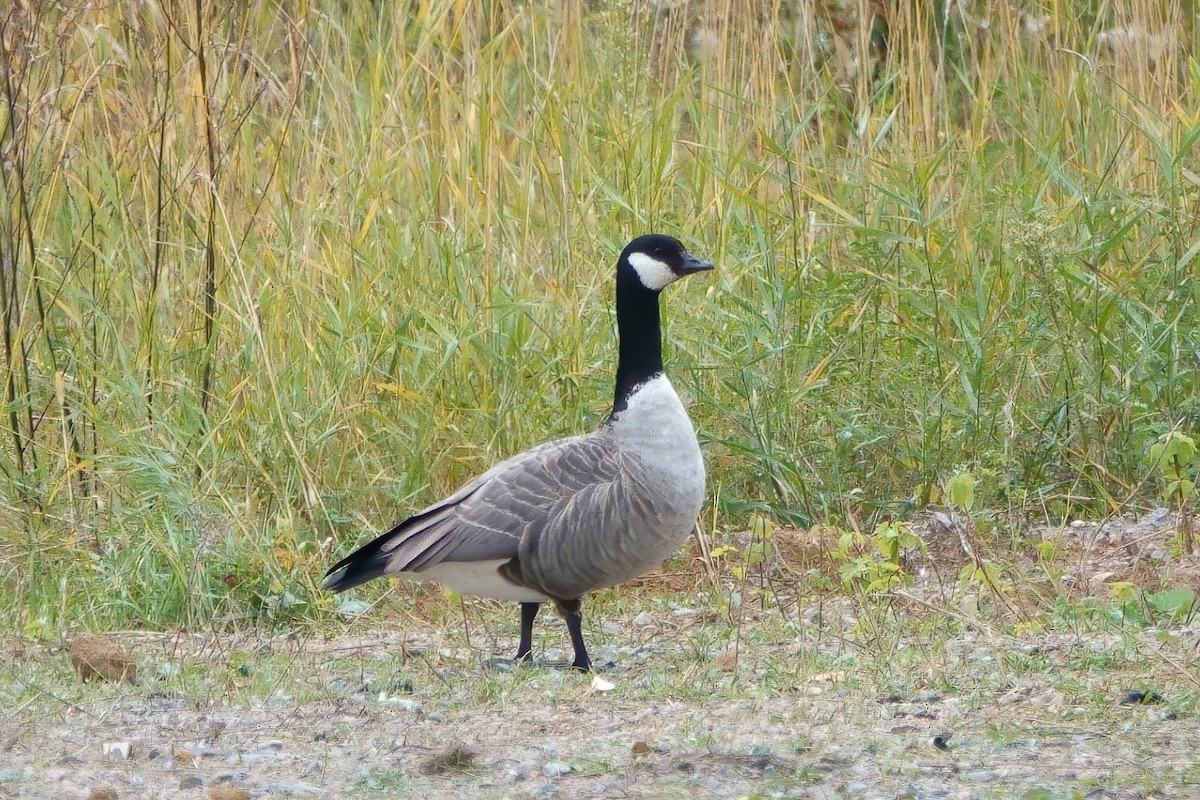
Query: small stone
[[644, 619], [556, 769], [353, 607], [403, 703], [518, 773], [680, 611], [190, 782], [293, 789], [94, 657], [117, 751], [271, 745], [640, 749], [103, 794], [980, 775]]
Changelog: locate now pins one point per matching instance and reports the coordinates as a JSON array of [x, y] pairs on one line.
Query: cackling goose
[[574, 515]]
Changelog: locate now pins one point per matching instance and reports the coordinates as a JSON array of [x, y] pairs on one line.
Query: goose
[[573, 515]]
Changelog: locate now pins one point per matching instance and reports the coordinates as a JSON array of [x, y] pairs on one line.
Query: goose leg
[[570, 611], [525, 649]]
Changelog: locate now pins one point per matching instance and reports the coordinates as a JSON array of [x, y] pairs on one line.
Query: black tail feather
[[371, 561], [365, 563]]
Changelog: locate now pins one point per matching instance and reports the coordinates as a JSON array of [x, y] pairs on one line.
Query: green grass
[[381, 237]]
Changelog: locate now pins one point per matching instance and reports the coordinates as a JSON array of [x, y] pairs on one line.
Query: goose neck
[[639, 336]]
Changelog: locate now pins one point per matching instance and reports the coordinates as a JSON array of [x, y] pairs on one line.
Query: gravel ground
[[839, 699]]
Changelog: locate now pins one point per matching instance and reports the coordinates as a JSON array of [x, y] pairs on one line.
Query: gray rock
[[294, 789], [556, 769], [980, 775]]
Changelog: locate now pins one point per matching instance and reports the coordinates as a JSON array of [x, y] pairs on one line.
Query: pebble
[[353, 607], [519, 772], [190, 782], [556, 769], [404, 704], [294, 789], [980, 775], [117, 751], [644, 619]]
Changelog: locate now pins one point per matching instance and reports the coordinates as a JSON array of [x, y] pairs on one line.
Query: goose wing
[[487, 519]]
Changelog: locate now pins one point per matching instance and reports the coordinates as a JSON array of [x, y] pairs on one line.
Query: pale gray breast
[[624, 526], [655, 430]]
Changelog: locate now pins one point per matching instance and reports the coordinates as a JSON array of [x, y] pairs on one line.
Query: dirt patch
[[809, 695], [95, 657]]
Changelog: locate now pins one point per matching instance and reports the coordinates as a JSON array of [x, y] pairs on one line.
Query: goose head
[[656, 261]]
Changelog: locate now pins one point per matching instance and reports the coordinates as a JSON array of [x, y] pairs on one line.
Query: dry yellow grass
[[276, 274]]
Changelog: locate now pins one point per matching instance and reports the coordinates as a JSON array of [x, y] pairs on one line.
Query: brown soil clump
[[94, 657]]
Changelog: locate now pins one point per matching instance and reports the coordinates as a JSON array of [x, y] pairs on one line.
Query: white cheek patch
[[653, 273]]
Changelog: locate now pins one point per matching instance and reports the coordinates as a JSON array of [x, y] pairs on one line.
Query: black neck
[[640, 337]]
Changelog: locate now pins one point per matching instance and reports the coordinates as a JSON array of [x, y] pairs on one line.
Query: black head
[[656, 261]]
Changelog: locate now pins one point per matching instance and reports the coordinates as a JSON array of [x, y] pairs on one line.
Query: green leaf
[[761, 527], [1174, 603], [961, 490], [1173, 451]]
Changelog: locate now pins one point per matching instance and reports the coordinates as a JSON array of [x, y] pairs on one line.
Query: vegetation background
[[275, 274]]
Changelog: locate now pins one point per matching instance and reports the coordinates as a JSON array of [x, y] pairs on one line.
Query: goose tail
[[364, 564]]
